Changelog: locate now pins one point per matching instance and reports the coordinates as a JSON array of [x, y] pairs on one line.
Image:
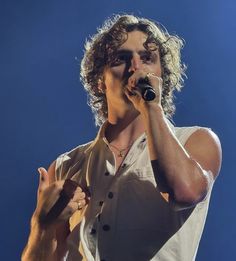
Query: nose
[[135, 63]]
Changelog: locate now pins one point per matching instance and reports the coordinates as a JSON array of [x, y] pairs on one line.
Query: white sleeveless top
[[127, 219]]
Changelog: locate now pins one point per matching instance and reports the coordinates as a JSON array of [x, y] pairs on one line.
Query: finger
[[65, 196], [81, 204], [78, 196], [133, 95], [136, 76], [154, 80], [43, 179], [71, 208], [132, 81], [128, 94], [78, 189]]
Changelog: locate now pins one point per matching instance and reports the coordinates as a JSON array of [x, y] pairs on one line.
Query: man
[[143, 185]]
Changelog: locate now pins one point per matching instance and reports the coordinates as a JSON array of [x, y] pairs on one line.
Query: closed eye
[[125, 57], [148, 57], [121, 58]]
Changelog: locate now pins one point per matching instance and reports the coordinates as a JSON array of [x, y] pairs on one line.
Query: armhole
[[184, 133], [185, 137]]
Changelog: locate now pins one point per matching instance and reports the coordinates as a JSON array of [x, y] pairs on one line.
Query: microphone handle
[[147, 91]]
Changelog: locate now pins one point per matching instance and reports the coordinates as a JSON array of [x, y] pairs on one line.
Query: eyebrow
[[153, 54], [127, 51]]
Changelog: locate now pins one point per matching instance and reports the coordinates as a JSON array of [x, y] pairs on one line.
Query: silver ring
[[150, 74], [79, 205]]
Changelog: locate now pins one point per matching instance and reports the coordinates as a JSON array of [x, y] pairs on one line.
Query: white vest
[[127, 219]]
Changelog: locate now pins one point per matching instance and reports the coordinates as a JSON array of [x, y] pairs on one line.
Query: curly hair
[[100, 48]]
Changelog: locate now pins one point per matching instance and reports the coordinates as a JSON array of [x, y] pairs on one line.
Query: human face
[[129, 58]]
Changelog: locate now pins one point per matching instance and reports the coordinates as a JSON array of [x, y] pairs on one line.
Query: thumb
[[43, 179]]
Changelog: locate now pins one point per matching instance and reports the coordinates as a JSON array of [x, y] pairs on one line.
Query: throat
[[120, 137], [120, 152], [123, 132]]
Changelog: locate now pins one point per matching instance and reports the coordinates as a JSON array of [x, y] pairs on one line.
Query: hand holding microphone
[[146, 90], [144, 87]]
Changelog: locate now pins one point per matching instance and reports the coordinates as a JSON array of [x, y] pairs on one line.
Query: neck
[[124, 129]]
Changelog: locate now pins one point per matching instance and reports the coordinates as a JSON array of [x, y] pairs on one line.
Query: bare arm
[[183, 173], [42, 242], [180, 170]]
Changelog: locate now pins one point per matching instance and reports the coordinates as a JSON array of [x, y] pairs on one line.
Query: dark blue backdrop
[[43, 106]]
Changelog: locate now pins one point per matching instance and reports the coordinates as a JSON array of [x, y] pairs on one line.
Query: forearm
[[41, 245], [175, 171]]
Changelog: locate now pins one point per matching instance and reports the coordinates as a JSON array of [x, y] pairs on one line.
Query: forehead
[[135, 41]]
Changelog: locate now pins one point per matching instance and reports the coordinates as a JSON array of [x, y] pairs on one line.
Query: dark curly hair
[[100, 48]]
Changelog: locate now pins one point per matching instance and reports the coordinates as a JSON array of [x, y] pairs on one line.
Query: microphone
[[146, 89]]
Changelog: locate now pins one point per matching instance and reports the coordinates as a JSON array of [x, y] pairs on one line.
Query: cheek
[[114, 75], [117, 72], [158, 69], [159, 72]]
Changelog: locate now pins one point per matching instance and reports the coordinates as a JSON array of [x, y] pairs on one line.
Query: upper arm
[[204, 147]]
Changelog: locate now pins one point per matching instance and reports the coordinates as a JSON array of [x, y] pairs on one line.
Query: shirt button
[[123, 166], [106, 227], [93, 231], [110, 195], [106, 173]]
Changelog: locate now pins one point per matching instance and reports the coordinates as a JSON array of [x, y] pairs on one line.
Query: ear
[[101, 86]]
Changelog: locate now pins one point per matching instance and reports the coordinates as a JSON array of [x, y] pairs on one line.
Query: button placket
[[93, 231], [106, 220], [106, 227], [110, 195], [123, 165], [107, 174]]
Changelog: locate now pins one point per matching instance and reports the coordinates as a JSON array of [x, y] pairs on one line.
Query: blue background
[[44, 111]]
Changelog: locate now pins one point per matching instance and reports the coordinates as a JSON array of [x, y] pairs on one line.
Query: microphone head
[[148, 94], [146, 90]]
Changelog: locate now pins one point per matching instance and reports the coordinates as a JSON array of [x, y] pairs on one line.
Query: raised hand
[[57, 201], [134, 95]]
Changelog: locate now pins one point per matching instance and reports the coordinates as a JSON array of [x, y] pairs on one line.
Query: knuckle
[[82, 195], [53, 185], [78, 189]]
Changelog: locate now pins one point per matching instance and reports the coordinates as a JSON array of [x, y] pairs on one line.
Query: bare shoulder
[[204, 147]]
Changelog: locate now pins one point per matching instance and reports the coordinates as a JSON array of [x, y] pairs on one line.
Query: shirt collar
[[101, 133]]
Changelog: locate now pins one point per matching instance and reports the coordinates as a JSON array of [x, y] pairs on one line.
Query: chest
[[118, 161]]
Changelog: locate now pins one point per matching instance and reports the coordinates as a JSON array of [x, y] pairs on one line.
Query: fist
[[133, 93]]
